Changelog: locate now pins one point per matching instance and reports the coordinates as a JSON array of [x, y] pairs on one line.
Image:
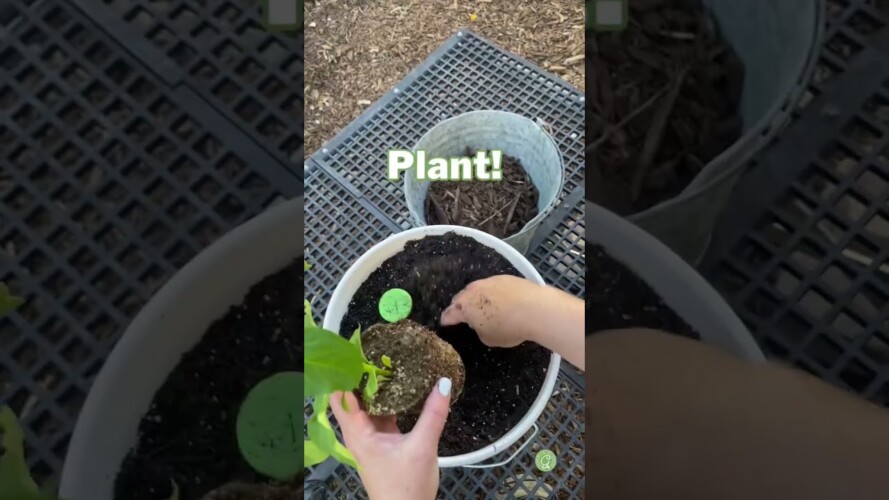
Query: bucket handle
[[511, 457]]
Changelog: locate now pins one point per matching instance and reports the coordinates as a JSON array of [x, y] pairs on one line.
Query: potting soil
[[188, 435], [501, 384], [500, 208], [663, 98], [617, 298], [418, 359]]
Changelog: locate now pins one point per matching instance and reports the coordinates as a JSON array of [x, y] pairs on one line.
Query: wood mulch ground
[[356, 50]]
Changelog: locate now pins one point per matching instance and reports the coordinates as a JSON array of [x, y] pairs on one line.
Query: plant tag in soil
[[270, 426], [395, 305], [484, 166]]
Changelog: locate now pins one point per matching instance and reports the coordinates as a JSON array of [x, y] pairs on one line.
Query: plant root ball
[[419, 359]]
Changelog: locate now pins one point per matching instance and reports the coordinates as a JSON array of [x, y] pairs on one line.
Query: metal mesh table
[[118, 163], [801, 255], [350, 206]]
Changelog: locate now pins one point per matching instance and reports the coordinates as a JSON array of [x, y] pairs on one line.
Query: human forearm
[[557, 323], [670, 418]]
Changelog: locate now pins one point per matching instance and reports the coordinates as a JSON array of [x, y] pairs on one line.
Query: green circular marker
[[545, 460], [395, 305], [270, 426]]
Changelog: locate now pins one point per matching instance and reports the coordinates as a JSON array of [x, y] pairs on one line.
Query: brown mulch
[[356, 50], [664, 102], [498, 208]]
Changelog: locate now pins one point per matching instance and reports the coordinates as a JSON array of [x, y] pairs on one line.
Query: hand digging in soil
[[419, 359]]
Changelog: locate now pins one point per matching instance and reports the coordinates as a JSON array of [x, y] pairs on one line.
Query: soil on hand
[[419, 358], [501, 384], [188, 435], [498, 208], [616, 298], [663, 99]]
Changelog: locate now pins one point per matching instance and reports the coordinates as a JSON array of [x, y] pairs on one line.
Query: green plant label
[[545, 460], [395, 305], [270, 426]]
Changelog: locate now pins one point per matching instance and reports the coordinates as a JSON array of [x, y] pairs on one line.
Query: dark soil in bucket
[[188, 435], [616, 298], [418, 358], [501, 384], [500, 208], [663, 99]]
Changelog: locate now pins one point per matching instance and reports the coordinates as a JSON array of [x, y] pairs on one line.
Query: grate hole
[[98, 54], [184, 169], [762, 304], [248, 109], [57, 284], [162, 37], [75, 352], [807, 255], [862, 135], [878, 226], [159, 192], [136, 214], [208, 147], [874, 183], [877, 348], [107, 282], [132, 258], [162, 149], [250, 70], [227, 91], [26, 355], [864, 24], [815, 303], [838, 277], [157, 235], [104, 328], [182, 53], [207, 189], [36, 263], [824, 351], [847, 325], [230, 208], [179, 255], [231, 166], [857, 376], [141, 89], [784, 280], [793, 328]]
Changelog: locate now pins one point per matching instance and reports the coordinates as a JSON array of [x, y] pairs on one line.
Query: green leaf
[[372, 385], [175, 494], [321, 433], [308, 320], [386, 361], [332, 363], [313, 455], [15, 479], [8, 301], [306, 266], [356, 339]]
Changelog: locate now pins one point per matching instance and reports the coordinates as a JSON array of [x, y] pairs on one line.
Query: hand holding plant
[[388, 457]]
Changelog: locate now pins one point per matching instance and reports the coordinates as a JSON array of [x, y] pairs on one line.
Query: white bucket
[[374, 258], [170, 325], [517, 137]]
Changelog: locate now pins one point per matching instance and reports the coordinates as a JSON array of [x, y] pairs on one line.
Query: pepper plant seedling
[[332, 364]]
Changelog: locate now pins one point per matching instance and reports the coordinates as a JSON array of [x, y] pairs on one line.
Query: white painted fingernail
[[444, 386]]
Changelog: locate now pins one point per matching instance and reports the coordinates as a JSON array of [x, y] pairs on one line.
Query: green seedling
[[15, 478], [333, 363], [8, 301]]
